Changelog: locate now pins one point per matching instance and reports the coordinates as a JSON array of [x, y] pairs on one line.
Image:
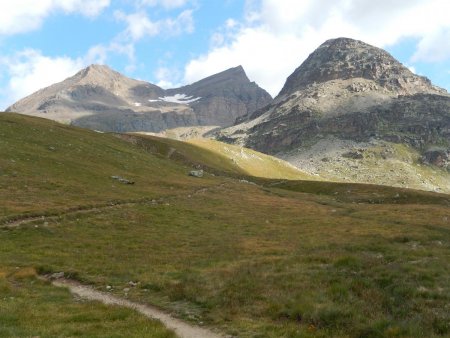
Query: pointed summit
[[94, 69], [232, 84], [230, 81], [102, 75], [234, 75], [344, 58], [100, 98]]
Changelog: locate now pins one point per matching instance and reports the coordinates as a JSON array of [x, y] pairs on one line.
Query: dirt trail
[[75, 211], [182, 329], [26, 219]]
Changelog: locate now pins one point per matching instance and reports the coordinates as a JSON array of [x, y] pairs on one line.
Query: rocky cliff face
[[225, 97], [99, 98], [343, 59], [352, 92]]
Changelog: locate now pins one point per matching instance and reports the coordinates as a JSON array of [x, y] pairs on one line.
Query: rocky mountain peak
[[96, 68], [100, 98], [94, 71], [344, 58], [101, 75], [233, 81], [237, 73], [234, 75]]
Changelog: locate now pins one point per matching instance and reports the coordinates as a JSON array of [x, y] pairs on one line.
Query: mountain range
[[100, 98]]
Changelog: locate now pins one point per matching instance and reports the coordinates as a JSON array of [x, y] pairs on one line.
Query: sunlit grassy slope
[[277, 258], [252, 162], [222, 157], [46, 166]]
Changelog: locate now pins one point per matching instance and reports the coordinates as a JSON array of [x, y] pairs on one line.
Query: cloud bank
[[29, 71], [20, 16]]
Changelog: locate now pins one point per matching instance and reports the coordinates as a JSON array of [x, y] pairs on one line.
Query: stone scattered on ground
[[196, 173], [122, 180], [57, 275]]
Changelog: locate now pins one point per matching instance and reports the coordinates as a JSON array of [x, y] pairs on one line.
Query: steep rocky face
[[350, 91], [100, 98], [418, 120], [343, 59], [225, 97]]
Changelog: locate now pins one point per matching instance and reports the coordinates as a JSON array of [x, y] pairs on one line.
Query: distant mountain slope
[[224, 97], [348, 90], [100, 98]]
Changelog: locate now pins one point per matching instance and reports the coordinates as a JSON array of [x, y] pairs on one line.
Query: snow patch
[[137, 104], [177, 98]]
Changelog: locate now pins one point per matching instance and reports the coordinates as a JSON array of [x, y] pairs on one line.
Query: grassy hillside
[[220, 157], [46, 166], [273, 259], [252, 162]]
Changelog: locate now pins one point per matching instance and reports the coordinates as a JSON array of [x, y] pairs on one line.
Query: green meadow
[[248, 256]]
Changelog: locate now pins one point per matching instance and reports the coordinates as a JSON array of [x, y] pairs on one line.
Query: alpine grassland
[[248, 256]]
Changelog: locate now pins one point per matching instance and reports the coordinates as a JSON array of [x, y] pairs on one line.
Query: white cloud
[[168, 4], [21, 16], [412, 69], [139, 25], [99, 53], [29, 71], [434, 47], [167, 77], [278, 35]]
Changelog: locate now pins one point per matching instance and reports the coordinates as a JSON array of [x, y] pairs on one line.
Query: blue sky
[[174, 42]]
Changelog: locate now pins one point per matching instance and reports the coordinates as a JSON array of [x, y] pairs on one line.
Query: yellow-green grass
[[278, 259], [49, 167], [312, 266], [222, 157], [30, 307], [253, 163]]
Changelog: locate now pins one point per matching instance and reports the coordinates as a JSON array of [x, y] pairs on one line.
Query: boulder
[[196, 173], [439, 158]]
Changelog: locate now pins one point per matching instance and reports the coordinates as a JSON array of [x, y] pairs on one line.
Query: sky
[[176, 42]]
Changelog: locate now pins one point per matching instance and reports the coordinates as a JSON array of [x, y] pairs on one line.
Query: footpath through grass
[[260, 264], [30, 307], [279, 259]]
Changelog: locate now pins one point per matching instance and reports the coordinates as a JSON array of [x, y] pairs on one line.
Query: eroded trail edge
[[181, 328]]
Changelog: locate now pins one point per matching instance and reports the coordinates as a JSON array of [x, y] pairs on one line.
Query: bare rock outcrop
[[350, 90]]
